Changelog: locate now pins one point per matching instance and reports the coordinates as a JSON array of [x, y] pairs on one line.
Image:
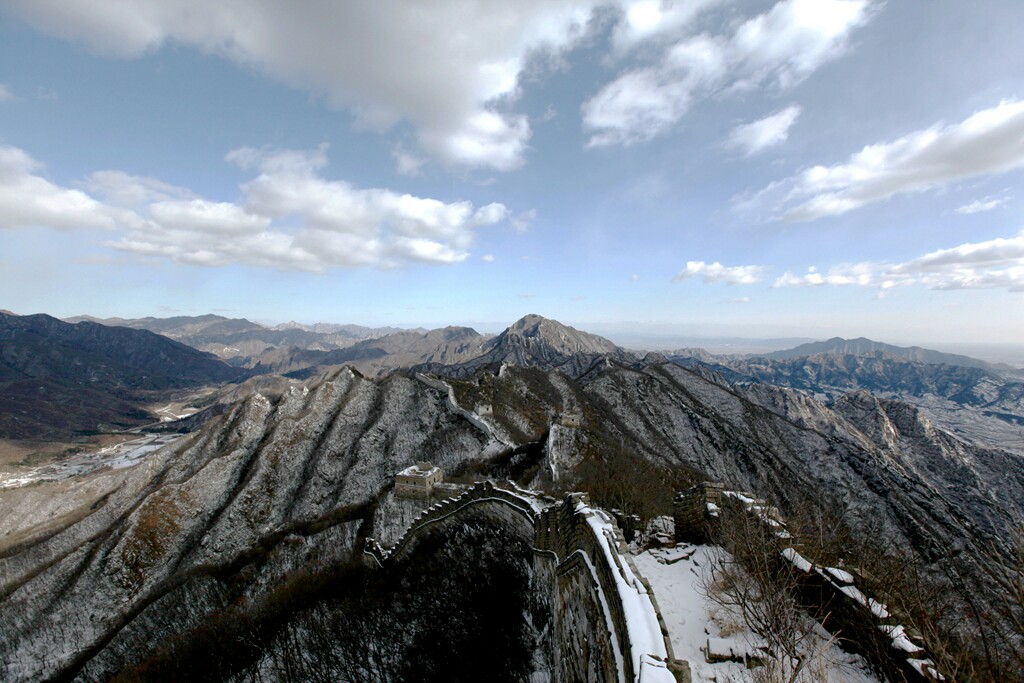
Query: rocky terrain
[[102, 571], [980, 402], [534, 341]]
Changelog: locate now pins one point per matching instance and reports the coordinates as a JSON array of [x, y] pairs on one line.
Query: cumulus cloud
[[29, 200], [716, 272], [982, 205], [5, 94], [991, 264], [987, 142], [289, 215], [778, 48], [758, 136], [646, 22], [449, 69]]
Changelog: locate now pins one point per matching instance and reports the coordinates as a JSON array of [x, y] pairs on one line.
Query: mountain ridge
[[862, 346], [59, 378]]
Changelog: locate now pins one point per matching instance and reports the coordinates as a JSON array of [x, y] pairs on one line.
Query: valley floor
[[116, 456]]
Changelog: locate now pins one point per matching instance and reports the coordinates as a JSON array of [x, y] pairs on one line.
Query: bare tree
[[750, 579]]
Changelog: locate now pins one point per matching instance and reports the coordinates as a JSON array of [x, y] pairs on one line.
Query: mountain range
[[980, 401], [295, 480], [238, 338], [58, 380], [837, 346]]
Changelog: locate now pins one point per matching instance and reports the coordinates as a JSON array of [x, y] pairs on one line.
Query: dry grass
[[156, 525], [14, 453]]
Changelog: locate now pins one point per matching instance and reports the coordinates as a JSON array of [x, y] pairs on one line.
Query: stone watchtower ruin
[[418, 481]]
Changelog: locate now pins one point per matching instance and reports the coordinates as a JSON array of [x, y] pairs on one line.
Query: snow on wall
[[824, 586], [600, 596]]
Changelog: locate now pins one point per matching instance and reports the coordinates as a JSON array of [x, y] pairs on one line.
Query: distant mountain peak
[[531, 322], [862, 346], [536, 340]]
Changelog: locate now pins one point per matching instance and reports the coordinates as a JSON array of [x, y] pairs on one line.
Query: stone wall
[[606, 622], [483, 498], [864, 624], [695, 510]]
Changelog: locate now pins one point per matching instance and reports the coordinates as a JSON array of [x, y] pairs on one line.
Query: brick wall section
[[691, 511], [482, 497], [585, 593], [863, 623]]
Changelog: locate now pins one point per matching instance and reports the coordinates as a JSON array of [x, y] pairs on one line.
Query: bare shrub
[[751, 580]]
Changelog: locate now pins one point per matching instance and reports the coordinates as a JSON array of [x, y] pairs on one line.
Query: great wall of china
[[605, 612], [602, 606]]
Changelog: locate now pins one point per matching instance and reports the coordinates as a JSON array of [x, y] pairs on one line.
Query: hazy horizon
[[632, 336]]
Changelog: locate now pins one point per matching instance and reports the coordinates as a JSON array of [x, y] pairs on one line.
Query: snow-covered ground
[[115, 457], [677, 577], [169, 413]]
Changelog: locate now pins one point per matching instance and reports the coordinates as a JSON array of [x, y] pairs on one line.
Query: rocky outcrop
[[534, 341]]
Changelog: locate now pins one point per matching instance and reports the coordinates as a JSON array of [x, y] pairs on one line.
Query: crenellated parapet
[[606, 620], [478, 497]]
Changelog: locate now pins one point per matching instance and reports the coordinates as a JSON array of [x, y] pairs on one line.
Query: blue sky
[[702, 168]]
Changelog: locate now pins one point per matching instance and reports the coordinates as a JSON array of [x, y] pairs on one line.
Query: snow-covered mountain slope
[[282, 484]]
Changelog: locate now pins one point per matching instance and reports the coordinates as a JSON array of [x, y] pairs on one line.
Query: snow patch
[[797, 560]]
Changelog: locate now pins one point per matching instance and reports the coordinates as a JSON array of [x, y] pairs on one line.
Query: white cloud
[[5, 94], [982, 205], [29, 200], [121, 189], [523, 221], [759, 135], [992, 264], [987, 142], [652, 21], [406, 163], [289, 216], [202, 216], [716, 272], [778, 48], [858, 274], [487, 258], [449, 69]]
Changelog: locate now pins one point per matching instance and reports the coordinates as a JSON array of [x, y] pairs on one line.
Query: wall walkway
[[606, 622]]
